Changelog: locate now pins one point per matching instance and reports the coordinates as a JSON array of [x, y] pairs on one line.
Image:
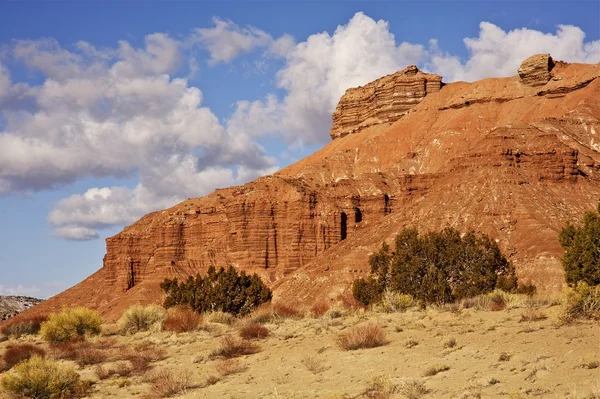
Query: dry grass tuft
[[254, 330], [435, 369], [359, 337], [314, 364], [392, 302], [141, 355], [411, 342], [413, 389], [263, 314], [532, 315], [167, 383], [594, 364], [182, 319], [380, 387], [229, 366], [504, 357], [220, 318], [581, 301], [231, 347], [15, 354]]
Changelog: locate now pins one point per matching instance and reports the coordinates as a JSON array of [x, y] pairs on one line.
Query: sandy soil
[[495, 354]]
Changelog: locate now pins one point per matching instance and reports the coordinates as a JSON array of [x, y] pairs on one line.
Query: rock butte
[[512, 157]]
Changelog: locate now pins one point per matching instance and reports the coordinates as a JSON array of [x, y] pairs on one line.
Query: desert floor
[[512, 353]]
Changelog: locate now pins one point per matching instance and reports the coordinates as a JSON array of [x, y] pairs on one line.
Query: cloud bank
[[125, 112]]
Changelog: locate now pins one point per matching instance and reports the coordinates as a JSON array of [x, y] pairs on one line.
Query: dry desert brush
[[22, 325], [168, 383], [253, 330], [43, 378], [182, 319], [232, 347], [15, 354], [362, 337], [142, 318], [71, 324]]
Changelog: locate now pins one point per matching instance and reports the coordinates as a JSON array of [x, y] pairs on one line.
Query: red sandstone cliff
[[513, 157]]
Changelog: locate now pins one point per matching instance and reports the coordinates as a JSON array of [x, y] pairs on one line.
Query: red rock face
[[502, 156]]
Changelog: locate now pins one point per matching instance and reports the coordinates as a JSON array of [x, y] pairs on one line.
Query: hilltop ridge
[[512, 157]]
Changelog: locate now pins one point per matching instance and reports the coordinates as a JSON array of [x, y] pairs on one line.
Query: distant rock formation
[[384, 100], [10, 306], [535, 70], [513, 157]]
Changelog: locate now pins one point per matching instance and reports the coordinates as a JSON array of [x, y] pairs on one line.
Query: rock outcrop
[[511, 160], [384, 100], [11, 305], [535, 70]]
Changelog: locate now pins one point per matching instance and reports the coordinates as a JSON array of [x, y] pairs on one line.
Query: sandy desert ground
[[519, 352]]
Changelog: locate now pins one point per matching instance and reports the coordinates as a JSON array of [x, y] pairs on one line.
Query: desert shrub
[[224, 290], [71, 324], [361, 337], [229, 366], [286, 311], [435, 369], [263, 314], [23, 325], [43, 378], [529, 315], [380, 387], [17, 353], [87, 356], [582, 301], [413, 389], [582, 246], [437, 267], [141, 355], [167, 383], [182, 319], [391, 302], [232, 347], [142, 318], [254, 330], [314, 364]]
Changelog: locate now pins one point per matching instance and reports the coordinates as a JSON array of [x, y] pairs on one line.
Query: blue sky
[[109, 110]]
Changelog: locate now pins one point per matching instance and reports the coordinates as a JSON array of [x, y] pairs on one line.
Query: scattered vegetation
[[182, 319], [22, 325], [71, 324], [582, 246], [224, 290], [435, 369], [231, 347], [530, 315], [253, 329], [320, 308], [361, 337], [142, 318], [438, 267], [15, 354], [411, 342], [42, 378], [220, 318]]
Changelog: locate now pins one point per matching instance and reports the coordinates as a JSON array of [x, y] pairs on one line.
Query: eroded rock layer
[[510, 159], [384, 100]]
